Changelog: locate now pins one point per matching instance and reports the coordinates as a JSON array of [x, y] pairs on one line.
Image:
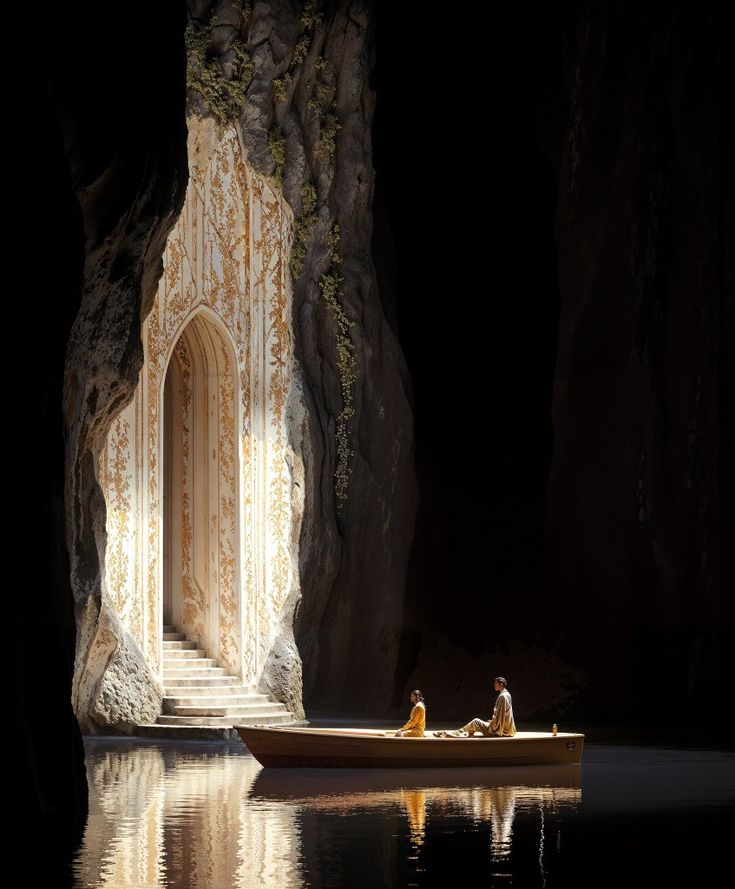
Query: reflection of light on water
[[541, 847], [163, 818], [414, 802], [175, 818], [498, 806]]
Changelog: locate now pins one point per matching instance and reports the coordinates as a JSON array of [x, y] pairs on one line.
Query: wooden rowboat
[[332, 748]]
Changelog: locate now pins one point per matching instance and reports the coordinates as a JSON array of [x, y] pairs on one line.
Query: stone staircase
[[201, 701]]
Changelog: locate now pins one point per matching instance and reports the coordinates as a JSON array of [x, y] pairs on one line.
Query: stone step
[[196, 664], [173, 636], [193, 677], [284, 719], [183, 654], [245, 710], [215, 679], [178, 645], [190, 732], [206, 699]]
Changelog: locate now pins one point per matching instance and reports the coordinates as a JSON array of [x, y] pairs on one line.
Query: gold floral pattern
[[226, 286]]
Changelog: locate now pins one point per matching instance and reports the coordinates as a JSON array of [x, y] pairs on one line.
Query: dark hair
[[501, 680], [418, 694]]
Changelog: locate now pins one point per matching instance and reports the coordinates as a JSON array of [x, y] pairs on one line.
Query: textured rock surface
[[642, 487], [627, 115], [116, 687], [98, 132], [353, 566], [127, 162]]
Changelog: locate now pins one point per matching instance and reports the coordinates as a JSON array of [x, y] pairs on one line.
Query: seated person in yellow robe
[[416, 724]]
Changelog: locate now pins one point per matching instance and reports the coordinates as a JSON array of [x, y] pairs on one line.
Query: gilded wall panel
[[226, 262]]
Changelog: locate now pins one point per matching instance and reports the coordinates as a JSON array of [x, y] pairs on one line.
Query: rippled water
[[195, 815]]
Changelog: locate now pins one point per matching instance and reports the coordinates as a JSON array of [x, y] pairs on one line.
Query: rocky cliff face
[[307, 119], [642, 488], [594, 565], [300, 78], [118, 167], [126, 149], [108, 149]]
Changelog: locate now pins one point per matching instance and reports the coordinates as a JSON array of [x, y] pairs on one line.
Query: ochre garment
[[416, 724], [501, 722]]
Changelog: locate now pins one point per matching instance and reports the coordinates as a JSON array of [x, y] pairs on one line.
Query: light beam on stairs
[[202, 702]]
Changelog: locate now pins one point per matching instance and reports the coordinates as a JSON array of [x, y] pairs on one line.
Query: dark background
[[573, 168], [466, 184], [554, 239]]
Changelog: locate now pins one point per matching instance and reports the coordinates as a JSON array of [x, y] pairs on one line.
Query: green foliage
[[327, 141], [223, 96], [324, 93], [310, 18], [303, 225], [302, 50], [322, 100], [281, 86], [277, 146], [331, 288], [308, 199]]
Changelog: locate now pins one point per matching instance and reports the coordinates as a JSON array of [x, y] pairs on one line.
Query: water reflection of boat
[[318, 784], [493, 796], [282, 747]]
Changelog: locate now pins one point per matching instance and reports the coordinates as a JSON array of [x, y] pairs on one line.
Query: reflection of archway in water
[[200, 468], [185, 823]]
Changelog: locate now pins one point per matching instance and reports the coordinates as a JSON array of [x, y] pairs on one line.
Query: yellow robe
[[416, 724]]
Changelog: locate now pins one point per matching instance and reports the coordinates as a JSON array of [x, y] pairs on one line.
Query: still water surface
[[207, 816]]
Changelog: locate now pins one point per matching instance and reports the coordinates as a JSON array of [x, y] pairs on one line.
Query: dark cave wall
[[641, 517], [583, 546], [110, 168]]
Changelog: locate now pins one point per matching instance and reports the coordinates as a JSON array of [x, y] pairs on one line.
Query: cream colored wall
[[226, 262]]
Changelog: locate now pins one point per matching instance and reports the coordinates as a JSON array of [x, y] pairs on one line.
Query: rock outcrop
[[126, 149], [106, 142], [353, 553], [306, 121]]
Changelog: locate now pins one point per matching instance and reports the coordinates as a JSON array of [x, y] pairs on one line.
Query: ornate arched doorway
[[200, 532]]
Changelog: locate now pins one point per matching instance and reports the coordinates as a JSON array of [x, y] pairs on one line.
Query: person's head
[[500, 683], [416, 696]]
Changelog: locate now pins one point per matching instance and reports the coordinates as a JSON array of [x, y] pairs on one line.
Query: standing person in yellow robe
[[500, 724], [416, 724]]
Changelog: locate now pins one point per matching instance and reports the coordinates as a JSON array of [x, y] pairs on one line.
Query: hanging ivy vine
[[223, 96], [330, 285]]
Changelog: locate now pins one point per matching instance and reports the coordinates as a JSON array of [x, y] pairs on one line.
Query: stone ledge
[[198, 732]]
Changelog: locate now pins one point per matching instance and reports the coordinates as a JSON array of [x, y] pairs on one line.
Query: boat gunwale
[[387, 734]]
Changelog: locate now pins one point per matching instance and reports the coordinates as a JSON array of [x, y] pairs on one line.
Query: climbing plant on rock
[[330, 285], [223, 95]]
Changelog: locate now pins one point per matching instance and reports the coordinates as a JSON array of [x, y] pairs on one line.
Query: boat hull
[[276, 747]]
